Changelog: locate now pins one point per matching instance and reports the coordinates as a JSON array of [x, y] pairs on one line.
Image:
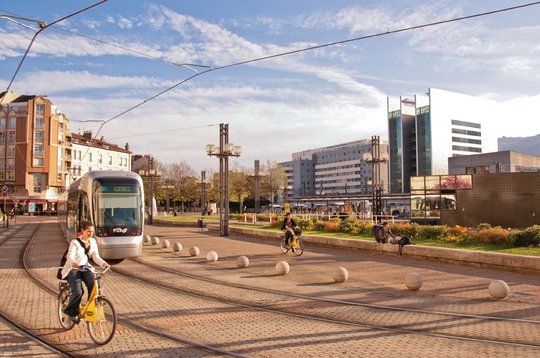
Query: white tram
[[114, 202]]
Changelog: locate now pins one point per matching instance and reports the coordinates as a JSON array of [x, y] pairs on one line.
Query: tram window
[[113, 209]]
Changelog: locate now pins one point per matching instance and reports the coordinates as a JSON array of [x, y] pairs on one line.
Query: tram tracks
[[454, 326], [66, 350]]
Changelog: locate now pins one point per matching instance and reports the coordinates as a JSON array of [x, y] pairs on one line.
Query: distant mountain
[[529, 145]]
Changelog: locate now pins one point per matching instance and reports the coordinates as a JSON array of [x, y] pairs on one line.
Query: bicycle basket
[[298, 230]]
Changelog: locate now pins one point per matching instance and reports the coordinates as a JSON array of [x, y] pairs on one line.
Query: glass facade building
[[424, 131]]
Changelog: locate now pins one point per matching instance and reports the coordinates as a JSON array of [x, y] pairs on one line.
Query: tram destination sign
[[118, 189]]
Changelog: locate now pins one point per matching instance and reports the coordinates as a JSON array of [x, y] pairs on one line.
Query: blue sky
[[274, 107]]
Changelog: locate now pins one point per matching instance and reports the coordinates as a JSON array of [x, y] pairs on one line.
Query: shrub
[[483, 226], [493, 236], [434, 232], [527, 237], [332, 225], [349, 225]]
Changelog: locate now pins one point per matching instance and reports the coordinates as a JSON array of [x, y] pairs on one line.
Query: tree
[[239, 185], [274, 179], [181, 177]]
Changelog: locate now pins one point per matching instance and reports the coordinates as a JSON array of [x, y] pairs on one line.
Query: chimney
[[127, 146], [87, 134]]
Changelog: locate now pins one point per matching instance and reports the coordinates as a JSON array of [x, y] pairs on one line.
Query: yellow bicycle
[[295, 243], [98, 312]]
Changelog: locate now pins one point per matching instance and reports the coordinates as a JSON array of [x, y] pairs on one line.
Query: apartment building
[[33, 147], [90, 153]]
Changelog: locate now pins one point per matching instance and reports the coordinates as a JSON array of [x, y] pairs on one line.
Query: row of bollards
[[498, 289]]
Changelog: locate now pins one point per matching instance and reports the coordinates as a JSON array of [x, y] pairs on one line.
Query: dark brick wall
[[505, 199]]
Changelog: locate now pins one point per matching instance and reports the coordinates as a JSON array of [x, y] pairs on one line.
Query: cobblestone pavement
[[372, 279]]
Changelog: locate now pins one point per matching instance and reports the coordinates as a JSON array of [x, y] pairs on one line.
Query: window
[[37, 162], [2, 174], [110, 160], [40, 109], [100, 160], [2, 137], [38, 150], [10, 175], [12, 123], [11, 137], [90, 157], [38, 136], [11, 164], [40, 123], [38, 182], [466, 124], [10, 151]]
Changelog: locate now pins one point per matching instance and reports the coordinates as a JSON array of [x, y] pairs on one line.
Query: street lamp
[[375, 158], [223, 152]]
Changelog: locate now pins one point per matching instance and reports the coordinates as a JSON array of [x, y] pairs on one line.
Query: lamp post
[[223, 152], [203, 191], [376, 159]]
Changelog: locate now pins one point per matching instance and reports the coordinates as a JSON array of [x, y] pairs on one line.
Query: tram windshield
[[117, 205]]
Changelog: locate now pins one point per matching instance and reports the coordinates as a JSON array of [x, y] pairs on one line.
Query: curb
[[493, 260]]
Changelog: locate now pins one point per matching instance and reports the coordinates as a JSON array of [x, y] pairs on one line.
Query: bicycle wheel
[[102, 330], [65, 320], [299, 249], [283, 247]]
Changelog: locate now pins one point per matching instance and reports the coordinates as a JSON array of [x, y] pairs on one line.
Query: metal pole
[[151, 196], [257, 188]]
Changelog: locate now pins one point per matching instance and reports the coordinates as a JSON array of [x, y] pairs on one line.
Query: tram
[[114, 202]]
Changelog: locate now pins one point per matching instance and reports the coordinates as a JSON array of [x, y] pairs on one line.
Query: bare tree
[[274, 179], [181, 177]]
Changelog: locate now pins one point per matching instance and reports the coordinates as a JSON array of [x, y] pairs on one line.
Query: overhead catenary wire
[[42, 27], [315, 47]]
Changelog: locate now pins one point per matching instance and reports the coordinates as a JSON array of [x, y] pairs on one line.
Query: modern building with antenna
[[425, 130]]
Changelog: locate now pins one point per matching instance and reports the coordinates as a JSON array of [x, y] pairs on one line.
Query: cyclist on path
[[288, 227], [79, 252]]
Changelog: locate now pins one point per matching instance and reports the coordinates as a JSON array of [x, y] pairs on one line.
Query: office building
[[424, 131], [497, 162], [337, 170]]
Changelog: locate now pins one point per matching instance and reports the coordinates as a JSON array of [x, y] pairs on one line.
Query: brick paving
[[372, 279]]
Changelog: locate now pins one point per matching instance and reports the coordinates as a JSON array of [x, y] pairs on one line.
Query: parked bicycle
[[295, 244], [98, 312]]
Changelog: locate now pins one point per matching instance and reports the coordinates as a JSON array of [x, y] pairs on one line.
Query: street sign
[[5, 189], [4, 194]]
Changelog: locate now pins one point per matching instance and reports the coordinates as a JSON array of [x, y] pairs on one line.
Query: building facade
[[497, 162], [334, 170], [424, 131], [33, 146], [90, 153]]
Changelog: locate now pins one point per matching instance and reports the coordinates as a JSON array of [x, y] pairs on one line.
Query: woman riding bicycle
[[288, 227], [79, 252]]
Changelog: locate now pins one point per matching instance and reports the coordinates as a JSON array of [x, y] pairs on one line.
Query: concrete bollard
[[341, 275], [155, 240], [242, 262], [146, 239], [413, 281], [498, 289], [177, 247], [211, 256], [282, 268], [194, 251], [165, 244]]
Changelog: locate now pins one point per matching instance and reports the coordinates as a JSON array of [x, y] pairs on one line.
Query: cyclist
[[288, 227], [79, 252]]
